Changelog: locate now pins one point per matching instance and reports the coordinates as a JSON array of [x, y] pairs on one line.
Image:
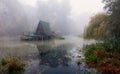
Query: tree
[[113, 9], [96, 27]]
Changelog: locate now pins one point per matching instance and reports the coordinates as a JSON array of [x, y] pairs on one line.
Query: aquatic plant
[[12, 65]]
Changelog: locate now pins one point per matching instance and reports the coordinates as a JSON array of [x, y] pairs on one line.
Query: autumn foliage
[[102, 59]]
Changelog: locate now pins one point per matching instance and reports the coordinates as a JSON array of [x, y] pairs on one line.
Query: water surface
[[47, 57]]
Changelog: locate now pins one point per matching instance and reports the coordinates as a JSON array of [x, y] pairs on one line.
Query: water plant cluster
[[12, 65]]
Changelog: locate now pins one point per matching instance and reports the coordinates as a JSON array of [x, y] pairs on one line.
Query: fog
[[17, 18], [12, 18]]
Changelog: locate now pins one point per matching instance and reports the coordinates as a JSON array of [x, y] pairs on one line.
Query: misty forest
[[59, 36]]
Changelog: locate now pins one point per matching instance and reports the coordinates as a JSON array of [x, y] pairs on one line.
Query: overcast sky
[[80, 12], [66, 16], [78, 6]]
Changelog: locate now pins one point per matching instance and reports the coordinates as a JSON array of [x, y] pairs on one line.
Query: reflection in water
[[57, 57], [54, 56]]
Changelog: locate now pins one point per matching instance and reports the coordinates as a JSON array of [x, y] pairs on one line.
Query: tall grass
[[12, 65]]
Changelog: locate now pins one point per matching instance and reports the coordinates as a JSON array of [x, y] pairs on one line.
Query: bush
[[11, 65], [91, 51], [102, 58], [113, 44]]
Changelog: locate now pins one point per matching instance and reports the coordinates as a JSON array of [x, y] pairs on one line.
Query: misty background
[[67, 17]]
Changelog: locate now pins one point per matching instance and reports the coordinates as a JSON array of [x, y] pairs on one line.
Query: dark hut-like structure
[[43, 32]]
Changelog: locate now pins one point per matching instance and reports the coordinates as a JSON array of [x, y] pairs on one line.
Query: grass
[[102, 58], [12, 65]]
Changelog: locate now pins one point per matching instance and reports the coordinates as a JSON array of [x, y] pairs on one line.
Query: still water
[[48, 57]]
